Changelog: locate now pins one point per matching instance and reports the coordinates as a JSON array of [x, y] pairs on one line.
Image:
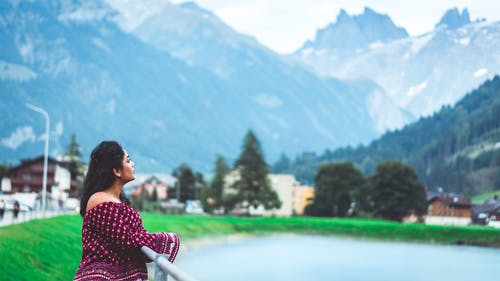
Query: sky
[[284, 25]]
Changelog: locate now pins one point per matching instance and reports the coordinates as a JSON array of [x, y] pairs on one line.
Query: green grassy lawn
[[47, 249], [481, 197], [50, 249]]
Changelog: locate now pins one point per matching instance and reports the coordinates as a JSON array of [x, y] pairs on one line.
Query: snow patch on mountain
[[417, 89], [132, 13], [480, 72]]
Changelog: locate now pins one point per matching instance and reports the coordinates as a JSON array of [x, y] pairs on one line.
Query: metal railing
[[163, 268]]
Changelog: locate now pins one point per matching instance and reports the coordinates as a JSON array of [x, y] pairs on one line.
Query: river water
[[315, 258]]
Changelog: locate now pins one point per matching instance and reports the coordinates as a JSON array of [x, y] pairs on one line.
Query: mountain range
[[174, 84], [101, 82], [419, 74]]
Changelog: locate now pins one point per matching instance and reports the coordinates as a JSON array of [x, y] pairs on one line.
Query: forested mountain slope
[[457, 148]]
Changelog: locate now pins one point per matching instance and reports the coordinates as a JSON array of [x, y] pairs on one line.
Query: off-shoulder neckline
[[102, 204]]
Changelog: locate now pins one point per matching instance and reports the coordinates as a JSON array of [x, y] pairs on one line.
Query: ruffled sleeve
[[121, 226]]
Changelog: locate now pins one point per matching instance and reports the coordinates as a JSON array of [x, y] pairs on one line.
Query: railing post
[[162, 264], [159, 275]]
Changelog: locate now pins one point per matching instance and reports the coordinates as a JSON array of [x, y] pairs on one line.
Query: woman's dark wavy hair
[[105, 157]]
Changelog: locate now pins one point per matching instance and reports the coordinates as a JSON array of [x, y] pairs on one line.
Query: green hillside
[[50, 249], [488, 195], [457, 148]]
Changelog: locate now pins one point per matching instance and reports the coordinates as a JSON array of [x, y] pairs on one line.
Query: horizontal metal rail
[[162, 265]]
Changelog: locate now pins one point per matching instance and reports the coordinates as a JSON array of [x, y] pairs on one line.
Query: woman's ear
[[118, 173]]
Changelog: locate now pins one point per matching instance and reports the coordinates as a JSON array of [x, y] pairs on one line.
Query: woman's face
[[127, 173]]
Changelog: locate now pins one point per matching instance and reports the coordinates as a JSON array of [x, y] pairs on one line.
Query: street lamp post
[[45, 154]]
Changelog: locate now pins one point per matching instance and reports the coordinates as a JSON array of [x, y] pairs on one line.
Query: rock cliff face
[[350, 33], [452, 19]]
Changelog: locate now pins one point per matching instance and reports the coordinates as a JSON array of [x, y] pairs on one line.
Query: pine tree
[[73, 152], [217, 184], [72, 157], [253, 186]]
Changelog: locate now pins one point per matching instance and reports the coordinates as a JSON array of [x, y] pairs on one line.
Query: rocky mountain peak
[[358, 31], [452, 19], [343, 16]]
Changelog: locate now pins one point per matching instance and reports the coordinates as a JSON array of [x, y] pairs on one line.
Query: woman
[[112, 231]]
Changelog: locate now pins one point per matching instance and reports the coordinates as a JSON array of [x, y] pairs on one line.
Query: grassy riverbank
[[50, 249]]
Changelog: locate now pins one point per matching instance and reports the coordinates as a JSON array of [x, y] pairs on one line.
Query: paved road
[[31, 215]]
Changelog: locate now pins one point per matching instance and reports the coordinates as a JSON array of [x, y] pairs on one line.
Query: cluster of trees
[[250, 189], [453, 149], [392, 192]]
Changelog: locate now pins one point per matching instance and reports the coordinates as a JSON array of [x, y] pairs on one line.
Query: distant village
[[22, 184]]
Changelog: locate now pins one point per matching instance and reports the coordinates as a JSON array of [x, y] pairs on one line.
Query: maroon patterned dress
[[112, 235]]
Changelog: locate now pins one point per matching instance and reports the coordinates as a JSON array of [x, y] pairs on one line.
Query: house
[[149, 183], [494, 217], [448, 209], [28, 176], [484, 212], [27, 179], [487, 213]]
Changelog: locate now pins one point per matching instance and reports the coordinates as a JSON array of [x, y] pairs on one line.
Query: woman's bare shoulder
[[98, 198]]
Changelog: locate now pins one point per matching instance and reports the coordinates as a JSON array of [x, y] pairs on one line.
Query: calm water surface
[[315, 258]]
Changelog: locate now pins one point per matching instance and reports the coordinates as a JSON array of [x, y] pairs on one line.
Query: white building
[[286, 187]]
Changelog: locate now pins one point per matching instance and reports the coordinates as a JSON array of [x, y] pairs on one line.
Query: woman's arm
[[121, 226]]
